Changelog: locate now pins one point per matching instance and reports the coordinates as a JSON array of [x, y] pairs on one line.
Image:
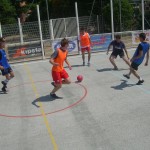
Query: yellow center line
[[41, 107]]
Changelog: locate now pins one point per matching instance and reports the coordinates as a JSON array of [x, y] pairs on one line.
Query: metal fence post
[[143, 23], [20, 31], [1, 30], [40, 30], [52, 31], [65, 28], [98, 24], [78, 30], [112, 19]]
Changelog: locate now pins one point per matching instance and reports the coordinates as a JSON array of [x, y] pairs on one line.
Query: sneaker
[[115, 68], [140, 82], [53, 95], [83, 63], [53, 84], [88, 64], [4, 84], [126, 76], [4, 89]]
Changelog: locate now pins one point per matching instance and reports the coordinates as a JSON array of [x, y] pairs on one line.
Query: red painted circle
[[59, 110]]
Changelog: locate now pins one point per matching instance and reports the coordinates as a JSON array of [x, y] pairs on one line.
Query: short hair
[[64, 42], [142, 35], [2, 39], [82, 29], [118, 36]]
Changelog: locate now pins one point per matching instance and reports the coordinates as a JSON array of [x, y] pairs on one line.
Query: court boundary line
[[37, 95]]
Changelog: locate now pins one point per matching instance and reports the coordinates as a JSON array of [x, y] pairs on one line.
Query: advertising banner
[[135, 37], [100, 42], [25, 50], [73, 45]]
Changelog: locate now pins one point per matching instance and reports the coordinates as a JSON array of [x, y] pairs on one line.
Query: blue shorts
[[135, 66], [6, 71]]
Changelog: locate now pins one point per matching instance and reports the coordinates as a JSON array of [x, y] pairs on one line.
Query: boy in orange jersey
[[58, 72], [85, 44]]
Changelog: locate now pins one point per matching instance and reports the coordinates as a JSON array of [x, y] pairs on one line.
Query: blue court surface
[[103, 112]]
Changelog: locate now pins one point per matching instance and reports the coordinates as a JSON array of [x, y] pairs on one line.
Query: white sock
[[141, 79], [6, 81]]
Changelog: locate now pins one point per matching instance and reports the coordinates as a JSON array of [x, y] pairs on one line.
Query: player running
[[138, 57], [58, 72], [5, 66]]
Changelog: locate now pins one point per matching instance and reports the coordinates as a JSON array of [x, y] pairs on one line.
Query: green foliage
[[7, 12], [126, 15]]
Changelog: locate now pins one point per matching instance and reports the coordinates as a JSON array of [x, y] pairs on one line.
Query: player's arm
[[67, 62], [140, 53], [109, 47], [1, 67], [90, 40], [126, 52], [53, 56], [147, 58]]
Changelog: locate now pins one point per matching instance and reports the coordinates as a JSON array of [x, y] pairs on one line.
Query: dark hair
[[2, 39], [82, 29], [64, 42], [118, 36], [142, 35]]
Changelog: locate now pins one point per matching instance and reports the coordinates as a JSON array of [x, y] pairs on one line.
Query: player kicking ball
[[138, 57], [59, 74], [4, 66]]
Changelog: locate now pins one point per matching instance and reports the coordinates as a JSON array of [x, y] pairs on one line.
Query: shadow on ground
[[73, 66], [122, 85], [42, 99], [110, 69], [1, 92]]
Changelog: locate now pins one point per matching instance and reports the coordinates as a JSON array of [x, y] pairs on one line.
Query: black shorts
[[6, 71], [134, 65], [116, 53]]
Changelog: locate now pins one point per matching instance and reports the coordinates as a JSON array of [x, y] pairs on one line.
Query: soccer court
[[103, 112]]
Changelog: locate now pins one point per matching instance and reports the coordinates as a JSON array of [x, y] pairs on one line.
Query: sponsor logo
[[24, 51], [71, 47]]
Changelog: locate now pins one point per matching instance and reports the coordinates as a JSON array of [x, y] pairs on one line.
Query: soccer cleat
[[140, 82], [115, 68], [89, 64], [83, 63], [53, 84], [4, 89], [126, 76], [4, 84], [54, 96]]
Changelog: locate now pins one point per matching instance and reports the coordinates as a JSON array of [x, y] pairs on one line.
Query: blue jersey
[[117, 46], [144, 46], [3, 59]]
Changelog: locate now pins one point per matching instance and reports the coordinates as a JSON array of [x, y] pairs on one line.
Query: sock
[[6, 81], [141, 79]]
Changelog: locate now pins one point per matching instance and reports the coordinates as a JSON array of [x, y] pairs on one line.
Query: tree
[[7, 12], [126, 17]]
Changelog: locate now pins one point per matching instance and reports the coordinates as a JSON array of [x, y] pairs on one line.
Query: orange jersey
[[85, 40], [61, 57]]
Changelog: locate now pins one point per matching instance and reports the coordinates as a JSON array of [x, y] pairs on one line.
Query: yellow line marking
[[41, 108]]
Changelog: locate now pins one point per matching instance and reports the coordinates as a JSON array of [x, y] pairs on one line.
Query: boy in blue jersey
[[4, 65], [138, 57]]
